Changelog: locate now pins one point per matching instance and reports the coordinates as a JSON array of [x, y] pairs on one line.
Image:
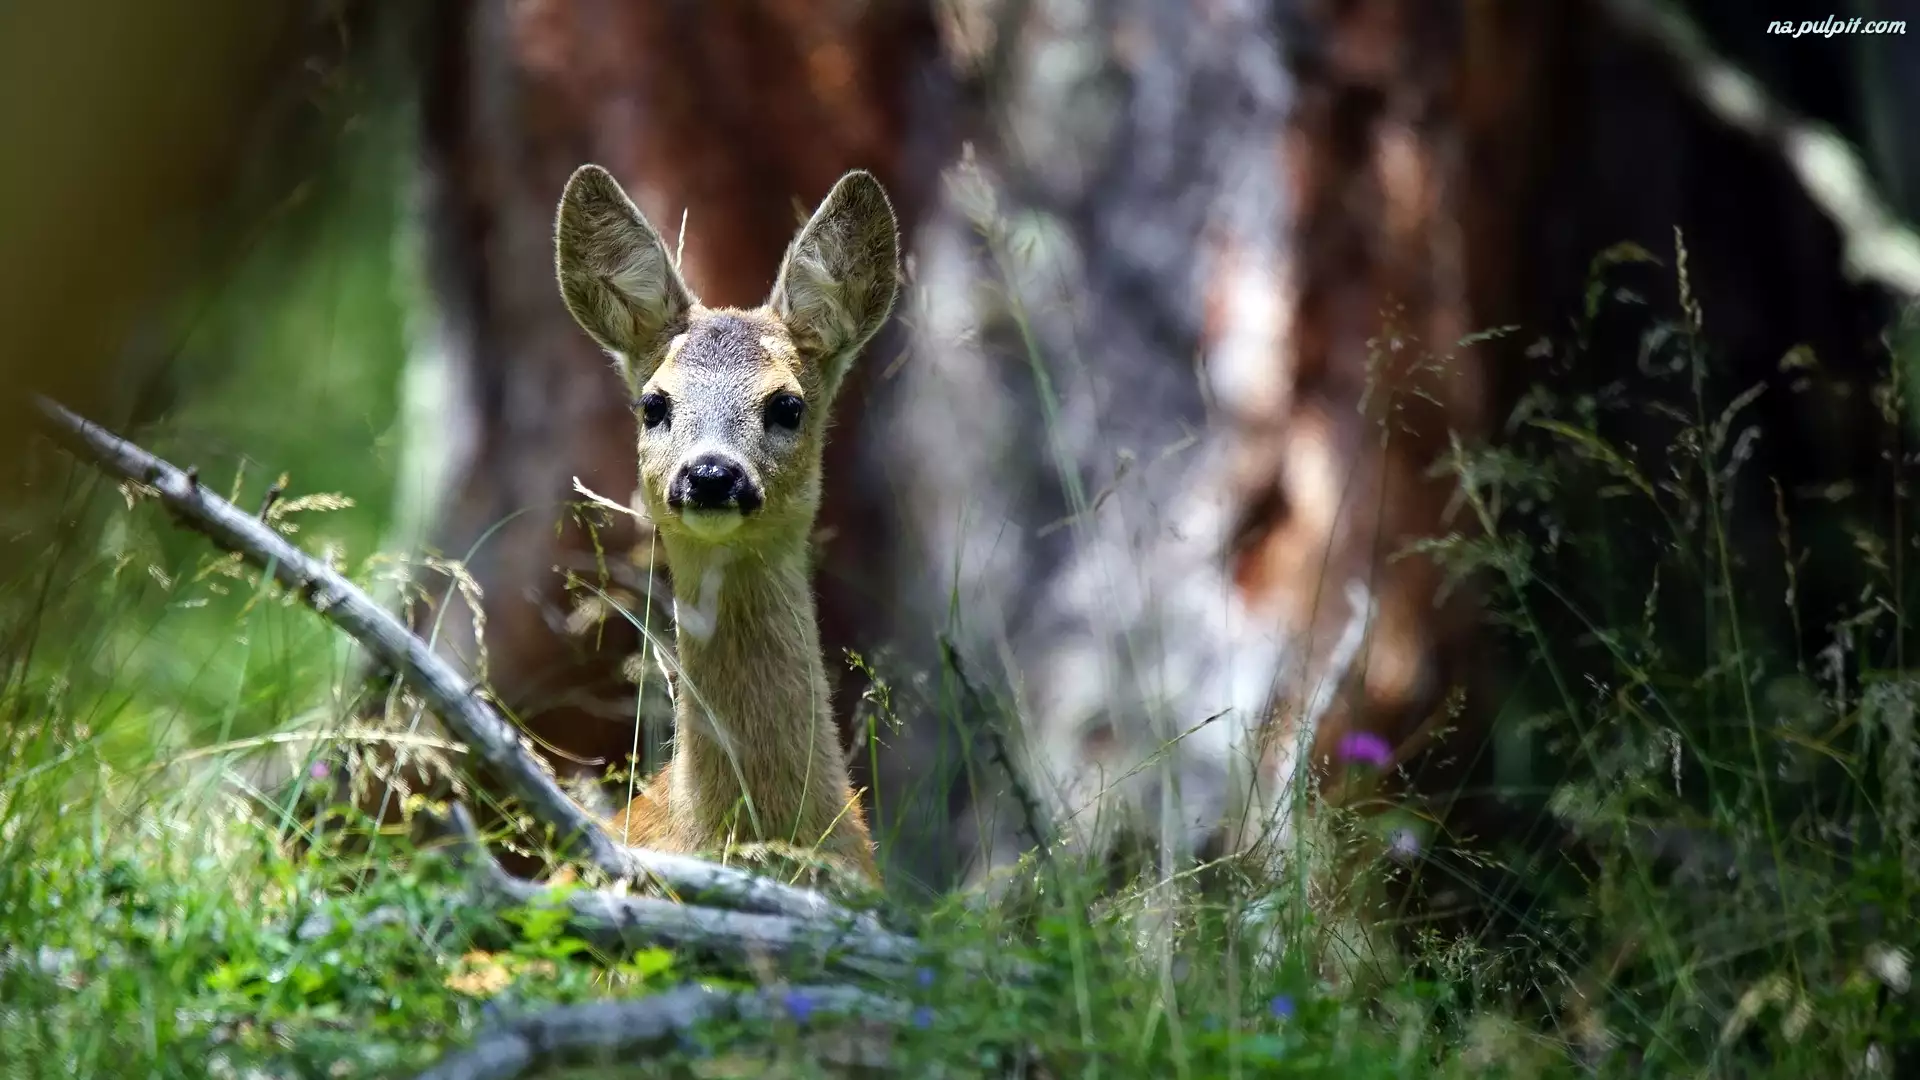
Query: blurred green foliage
[[286, 360]]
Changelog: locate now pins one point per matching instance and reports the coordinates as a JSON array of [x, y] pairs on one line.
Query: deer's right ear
[[615, 274]]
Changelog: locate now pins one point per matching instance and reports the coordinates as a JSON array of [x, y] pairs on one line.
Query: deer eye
[[785, 410], [653, 409]]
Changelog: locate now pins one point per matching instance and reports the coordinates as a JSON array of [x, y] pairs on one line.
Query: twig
[[624, 924], [600, 1032], [274, 491], [701, 881], [455, 699], [621, 924], [1877, 246], [1033, 820]]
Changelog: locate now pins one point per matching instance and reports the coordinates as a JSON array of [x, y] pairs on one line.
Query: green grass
[[155, 924]]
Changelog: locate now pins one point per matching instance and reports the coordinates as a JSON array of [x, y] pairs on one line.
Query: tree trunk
[[1316, 202]]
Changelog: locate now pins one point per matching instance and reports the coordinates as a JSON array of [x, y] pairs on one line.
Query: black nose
[[712, 482]]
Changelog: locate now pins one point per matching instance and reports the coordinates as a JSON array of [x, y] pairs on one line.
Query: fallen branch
[[601, 1032], [1877, 246], [452, 697], [621, 924]]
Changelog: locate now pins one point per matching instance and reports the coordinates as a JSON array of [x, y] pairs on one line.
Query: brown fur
[[757, 755]]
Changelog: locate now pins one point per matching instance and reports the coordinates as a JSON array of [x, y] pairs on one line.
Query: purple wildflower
[[799, 1006], [1281, 1006], [319, 770], [923, 1017], [1366, 748]]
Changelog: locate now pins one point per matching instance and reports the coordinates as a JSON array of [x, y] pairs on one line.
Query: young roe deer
[[733, 407]]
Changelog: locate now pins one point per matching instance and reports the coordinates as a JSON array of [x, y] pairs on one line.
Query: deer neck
[[751, 710]]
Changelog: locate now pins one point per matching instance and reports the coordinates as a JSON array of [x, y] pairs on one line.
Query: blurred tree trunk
[[1169, 504], [1316, 201], [1122, 220], [737, 119]]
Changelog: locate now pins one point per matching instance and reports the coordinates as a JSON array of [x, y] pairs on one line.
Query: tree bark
[[1319, 200]]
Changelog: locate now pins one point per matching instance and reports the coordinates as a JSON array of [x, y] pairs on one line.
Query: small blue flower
[[925, 977], [1405, 844], [1281, 1006], [923, 1017], [799, 1006]]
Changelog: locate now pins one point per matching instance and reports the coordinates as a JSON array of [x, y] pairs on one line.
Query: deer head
[[732, 403]]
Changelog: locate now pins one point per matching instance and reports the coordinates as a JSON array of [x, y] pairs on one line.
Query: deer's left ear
[[837, 284]]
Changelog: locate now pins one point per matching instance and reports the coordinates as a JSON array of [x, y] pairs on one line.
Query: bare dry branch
[[1878, 246], [624, 924], [453, 697], [604, 1031]]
